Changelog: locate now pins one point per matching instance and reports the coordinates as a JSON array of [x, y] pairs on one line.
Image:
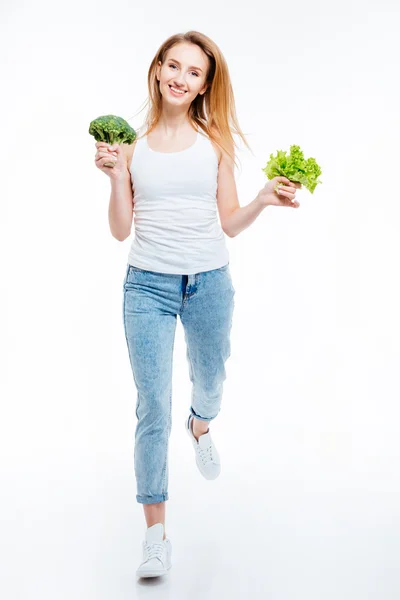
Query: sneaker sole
[[153, 573]]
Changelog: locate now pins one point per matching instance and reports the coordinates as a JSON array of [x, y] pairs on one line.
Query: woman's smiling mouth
[[176, 92]]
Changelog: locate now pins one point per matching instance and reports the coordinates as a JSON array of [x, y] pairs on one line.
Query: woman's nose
[[180, 80]]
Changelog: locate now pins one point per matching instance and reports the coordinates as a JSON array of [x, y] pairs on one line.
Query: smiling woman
[[181, 169]]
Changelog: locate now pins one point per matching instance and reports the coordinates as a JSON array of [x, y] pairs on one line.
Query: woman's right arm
[[120, 210]]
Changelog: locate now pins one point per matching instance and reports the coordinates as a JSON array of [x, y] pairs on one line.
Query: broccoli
[[294, 167], [112, 129]]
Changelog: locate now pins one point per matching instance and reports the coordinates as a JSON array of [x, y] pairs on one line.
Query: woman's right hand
[[111, 153]]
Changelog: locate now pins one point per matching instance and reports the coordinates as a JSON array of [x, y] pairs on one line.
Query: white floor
[[283, 526]]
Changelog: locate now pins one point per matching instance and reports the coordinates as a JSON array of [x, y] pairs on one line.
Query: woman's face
[[185, 69]]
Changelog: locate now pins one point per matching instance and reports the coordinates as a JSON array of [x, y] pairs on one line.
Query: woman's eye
[[191, 71]]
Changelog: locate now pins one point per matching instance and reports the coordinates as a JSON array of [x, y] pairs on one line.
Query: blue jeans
[[204, 301]]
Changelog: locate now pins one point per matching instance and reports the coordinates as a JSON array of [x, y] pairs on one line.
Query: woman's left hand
[[279, 191]]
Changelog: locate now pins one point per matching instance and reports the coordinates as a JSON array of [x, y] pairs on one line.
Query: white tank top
[[175, 209]]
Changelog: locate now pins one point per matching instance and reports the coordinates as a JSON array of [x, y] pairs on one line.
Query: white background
[[307, 503]]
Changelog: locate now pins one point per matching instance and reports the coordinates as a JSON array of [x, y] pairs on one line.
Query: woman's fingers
[[289, 195], [106, 147], [289, 188], [286, 191], [290, 201], [102, 153]]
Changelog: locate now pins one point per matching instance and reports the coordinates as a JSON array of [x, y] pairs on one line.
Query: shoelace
[[154, 550], [205, 454]]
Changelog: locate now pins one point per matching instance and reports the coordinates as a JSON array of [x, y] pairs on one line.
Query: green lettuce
[[294, 167]]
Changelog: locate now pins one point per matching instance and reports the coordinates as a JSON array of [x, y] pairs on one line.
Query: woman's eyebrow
[[177, 61]]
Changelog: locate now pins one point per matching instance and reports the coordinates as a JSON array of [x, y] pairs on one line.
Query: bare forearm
[[120, 210], [243, 216]]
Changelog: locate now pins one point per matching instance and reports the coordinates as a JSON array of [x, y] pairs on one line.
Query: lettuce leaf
[[294, 167]]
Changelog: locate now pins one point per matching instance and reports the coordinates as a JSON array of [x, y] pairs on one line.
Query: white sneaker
[[207, 457], [156, 553]]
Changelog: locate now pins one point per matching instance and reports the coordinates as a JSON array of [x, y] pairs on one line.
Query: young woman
[[177, 178]]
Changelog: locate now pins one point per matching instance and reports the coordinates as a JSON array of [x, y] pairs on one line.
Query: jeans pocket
[[226, 274], [130, 275]]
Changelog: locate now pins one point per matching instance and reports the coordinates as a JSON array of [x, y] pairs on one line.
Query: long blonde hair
[[214, 111]]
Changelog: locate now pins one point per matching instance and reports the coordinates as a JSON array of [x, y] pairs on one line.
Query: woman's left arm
[[235, 218]]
